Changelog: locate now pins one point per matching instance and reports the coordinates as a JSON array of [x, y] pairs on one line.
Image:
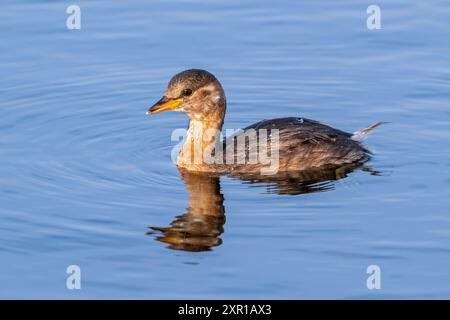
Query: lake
[[86, 178]]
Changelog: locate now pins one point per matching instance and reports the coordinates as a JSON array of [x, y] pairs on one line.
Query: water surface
[[84, 173]]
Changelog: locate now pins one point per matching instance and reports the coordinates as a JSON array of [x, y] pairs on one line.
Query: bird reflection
[[200, 228]]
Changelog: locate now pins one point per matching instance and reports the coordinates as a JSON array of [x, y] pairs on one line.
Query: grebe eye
[[187, 92]]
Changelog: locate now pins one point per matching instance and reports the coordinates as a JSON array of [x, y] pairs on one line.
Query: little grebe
[[301, 143]]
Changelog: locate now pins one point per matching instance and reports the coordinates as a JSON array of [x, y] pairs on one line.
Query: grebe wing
[[301, 130]]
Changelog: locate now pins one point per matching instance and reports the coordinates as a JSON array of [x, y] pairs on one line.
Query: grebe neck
[[202, 135]]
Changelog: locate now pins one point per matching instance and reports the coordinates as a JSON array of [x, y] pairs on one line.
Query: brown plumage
[[301, 144]]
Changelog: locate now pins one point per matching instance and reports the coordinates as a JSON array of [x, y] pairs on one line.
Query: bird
[[294, 143]]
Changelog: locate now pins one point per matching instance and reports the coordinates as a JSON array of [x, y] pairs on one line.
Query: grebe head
[[195, 92]]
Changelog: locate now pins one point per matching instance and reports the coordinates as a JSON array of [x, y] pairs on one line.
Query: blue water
[[84, 172]]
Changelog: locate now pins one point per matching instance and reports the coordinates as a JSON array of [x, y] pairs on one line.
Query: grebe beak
[[165, 104]]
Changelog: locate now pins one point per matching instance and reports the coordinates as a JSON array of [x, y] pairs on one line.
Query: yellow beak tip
[[164, 105]]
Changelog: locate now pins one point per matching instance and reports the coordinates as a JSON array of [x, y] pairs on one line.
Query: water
[[84, 173]]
